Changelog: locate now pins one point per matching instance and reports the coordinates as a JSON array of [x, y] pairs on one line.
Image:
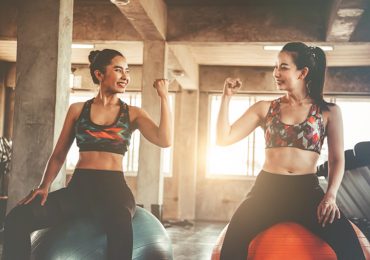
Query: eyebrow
[[119, 67], [282, 64]]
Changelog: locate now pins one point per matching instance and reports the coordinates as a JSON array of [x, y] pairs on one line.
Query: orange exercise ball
[[290, 241]]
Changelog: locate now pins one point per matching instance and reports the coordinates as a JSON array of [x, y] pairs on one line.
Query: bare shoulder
[[75, 109], [135, 112], [333, 111], [332, 114], [261, 107]]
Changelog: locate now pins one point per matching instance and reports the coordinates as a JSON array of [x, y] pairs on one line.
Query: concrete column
[[41, 95], [2, 97], [185, 151], [150, 177]]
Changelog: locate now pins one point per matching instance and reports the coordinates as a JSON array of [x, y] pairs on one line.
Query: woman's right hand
[[42, 192], [231, 86], [161, 85]]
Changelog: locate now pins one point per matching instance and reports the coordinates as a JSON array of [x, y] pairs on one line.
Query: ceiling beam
[[345, 15], [148, 17], [183, 67]]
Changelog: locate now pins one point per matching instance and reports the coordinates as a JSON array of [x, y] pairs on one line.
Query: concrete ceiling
[[213, 32]]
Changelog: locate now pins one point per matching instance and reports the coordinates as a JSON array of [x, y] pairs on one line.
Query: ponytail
[[314, 59]]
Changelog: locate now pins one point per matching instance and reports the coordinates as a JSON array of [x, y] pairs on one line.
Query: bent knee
[[19, 215]]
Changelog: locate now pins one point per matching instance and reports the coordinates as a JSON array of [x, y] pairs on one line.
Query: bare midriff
[[100, 161], [290, 161]]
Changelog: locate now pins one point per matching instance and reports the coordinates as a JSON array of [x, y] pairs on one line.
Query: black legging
[[97, 193], [276, 198]]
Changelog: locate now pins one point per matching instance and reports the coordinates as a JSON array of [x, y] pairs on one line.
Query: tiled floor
[[196, 242], [191, 242]]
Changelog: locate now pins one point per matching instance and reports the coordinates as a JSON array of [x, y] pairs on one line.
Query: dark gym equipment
[[85, 239]]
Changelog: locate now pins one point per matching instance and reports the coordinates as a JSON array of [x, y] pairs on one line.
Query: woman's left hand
[[161, 85], [327, 211]]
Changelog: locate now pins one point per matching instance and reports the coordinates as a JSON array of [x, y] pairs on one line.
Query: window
[[356, 124], [245, 158], [131, 158], [167, 152], [355, 127]]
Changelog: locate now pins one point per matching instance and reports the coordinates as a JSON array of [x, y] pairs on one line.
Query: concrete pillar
[[185, 151], [2, 97], [150, 177], [41, 95]]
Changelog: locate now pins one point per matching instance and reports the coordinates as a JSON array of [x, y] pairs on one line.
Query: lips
[[122, 84], [279, 82]]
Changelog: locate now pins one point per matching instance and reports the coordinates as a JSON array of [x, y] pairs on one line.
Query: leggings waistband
[[95, 171], [306, 180]]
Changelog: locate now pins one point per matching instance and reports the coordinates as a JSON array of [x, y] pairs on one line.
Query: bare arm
[[250, 120], [57, 157], [336, 151], [328, 209], [160, 135]]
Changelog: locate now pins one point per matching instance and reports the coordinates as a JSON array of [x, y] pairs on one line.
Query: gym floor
[[191, 241], [194, 242]]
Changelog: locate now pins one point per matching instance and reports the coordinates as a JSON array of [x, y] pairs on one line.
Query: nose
[[124, 75], [276, 73]]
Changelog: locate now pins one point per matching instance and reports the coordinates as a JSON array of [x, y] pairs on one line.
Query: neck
[[297, 99], [106, 99]]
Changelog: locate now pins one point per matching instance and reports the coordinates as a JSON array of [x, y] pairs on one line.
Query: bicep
[[247, 123], [145, 124]]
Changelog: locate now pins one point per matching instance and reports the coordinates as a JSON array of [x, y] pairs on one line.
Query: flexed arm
[[160, 135], [229, 134]]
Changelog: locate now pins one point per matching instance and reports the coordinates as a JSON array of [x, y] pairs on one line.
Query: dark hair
[[315, 60], [99, 60]]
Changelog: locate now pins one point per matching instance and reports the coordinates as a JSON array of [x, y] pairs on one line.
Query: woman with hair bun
[[102, 127], [295, 126]]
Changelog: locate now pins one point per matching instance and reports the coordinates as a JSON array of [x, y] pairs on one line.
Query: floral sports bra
[[308, 135]]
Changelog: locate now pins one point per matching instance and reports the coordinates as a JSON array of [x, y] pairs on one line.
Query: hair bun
[[92, 55]]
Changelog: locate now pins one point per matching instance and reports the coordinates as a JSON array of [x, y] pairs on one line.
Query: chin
[[120, 90], [280, 87]]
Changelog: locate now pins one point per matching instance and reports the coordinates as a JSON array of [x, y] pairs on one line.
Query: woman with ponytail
[[295, 126], [102, 127]]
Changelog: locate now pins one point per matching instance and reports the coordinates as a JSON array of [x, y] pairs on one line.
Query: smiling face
[[116, 76], [285, 73]]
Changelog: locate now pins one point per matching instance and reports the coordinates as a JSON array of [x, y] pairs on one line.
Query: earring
[[308, 88]]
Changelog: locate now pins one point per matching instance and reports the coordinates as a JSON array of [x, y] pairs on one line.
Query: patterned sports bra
[[114, 138], [308, 135]]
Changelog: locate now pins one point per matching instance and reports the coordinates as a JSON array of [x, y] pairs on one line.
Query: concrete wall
[[106, 24], [254, 23], [88, 24], [8, 19], [2, 97], [243, 23]]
